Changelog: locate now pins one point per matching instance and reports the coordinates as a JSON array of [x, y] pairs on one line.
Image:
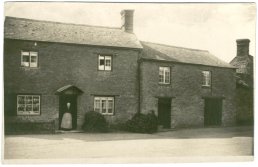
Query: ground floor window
[[28, 105], [104, 105]]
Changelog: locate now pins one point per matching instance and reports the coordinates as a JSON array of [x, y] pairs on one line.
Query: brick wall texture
[[187, 93], [63, 64]]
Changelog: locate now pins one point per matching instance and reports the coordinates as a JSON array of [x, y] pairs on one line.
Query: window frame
[[164, 75], [28, 114], [111, 62], [107, 98], [30, 55], [204, 78]]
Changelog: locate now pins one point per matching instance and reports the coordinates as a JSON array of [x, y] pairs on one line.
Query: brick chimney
[[127, 20], [242, 47]]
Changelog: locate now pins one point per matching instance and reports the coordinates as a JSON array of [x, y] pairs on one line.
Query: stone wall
[[187, 92], [63, 64]]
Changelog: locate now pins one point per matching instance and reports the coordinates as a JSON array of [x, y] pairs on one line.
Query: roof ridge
[[175, 46], [56, 22]]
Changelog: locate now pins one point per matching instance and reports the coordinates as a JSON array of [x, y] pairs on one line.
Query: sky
[[206, 26]]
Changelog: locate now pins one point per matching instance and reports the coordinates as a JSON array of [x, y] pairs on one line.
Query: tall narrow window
[[28, 105], [29, 59], [105, 63], [206, 81], [164, 75], [104, 105]]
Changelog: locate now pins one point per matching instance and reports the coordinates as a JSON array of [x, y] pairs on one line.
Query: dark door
[[63, 100], [164, 112], [212, 112]]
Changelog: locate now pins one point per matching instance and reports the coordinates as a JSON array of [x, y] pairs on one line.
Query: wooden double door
[[213, 112]]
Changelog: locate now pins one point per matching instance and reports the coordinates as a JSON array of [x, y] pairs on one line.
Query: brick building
[[47, 64], [244, 82]]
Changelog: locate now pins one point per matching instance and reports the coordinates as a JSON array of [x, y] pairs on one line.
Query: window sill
[[28, 114], [206, 86], [105, 70], [30, 68], [107, 114], [164, 84]]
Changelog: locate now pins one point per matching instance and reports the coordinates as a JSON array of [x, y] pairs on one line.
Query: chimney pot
[[127, 20], [242, 47]]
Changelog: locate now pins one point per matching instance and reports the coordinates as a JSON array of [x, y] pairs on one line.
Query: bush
[[142, 123], [94, 122]]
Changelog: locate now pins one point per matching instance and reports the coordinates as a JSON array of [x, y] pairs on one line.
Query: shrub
[[142, 123], [94, 122]]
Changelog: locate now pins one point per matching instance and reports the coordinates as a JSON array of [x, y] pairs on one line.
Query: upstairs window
[[29, 59], [105, 63], [104, 105], [206, 81], [28, 105], [164, 75]]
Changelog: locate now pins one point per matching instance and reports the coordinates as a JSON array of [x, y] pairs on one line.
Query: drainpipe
[[139, 79]]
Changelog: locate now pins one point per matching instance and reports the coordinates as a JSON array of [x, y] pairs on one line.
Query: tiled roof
[[156, 51], [47, 31]]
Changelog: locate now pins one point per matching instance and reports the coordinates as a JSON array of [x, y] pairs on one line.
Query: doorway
[[63, 100], [164, 112], [212, 111]]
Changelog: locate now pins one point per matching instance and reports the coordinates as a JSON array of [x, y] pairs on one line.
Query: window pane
[[28, 99], [33, 61], [21, 108], [28, 107], [103, 105], [21, 100], [108, 58], [25, 61], [34, 53], [110, 106], [206, 78], [101, 63], [36, 108], [108, 63], [35, 99], [167, 77], [26, 53], [161, 74], [97, 105]]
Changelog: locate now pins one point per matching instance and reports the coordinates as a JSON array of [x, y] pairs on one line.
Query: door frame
[[66, 91]]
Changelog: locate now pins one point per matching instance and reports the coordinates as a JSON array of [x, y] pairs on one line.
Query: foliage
[[142, 123], [94, 122]]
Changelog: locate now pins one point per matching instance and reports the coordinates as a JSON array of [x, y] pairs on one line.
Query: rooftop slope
[[178, 54], [47, 31]]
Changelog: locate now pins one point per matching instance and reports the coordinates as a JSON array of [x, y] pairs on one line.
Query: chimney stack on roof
[[242, 47], [127, 20]]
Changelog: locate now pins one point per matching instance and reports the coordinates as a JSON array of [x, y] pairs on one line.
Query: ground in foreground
[[204, 144]]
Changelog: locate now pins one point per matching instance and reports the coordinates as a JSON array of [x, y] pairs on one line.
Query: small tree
[[142, 123], [94, 122]]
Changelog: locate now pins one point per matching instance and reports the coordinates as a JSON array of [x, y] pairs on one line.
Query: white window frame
[[166, 78], [206, 78], [99, 108], [30, 63], [106, 66], [31, 112]]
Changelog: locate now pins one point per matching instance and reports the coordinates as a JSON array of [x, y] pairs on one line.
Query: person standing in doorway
[[66, 123]]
